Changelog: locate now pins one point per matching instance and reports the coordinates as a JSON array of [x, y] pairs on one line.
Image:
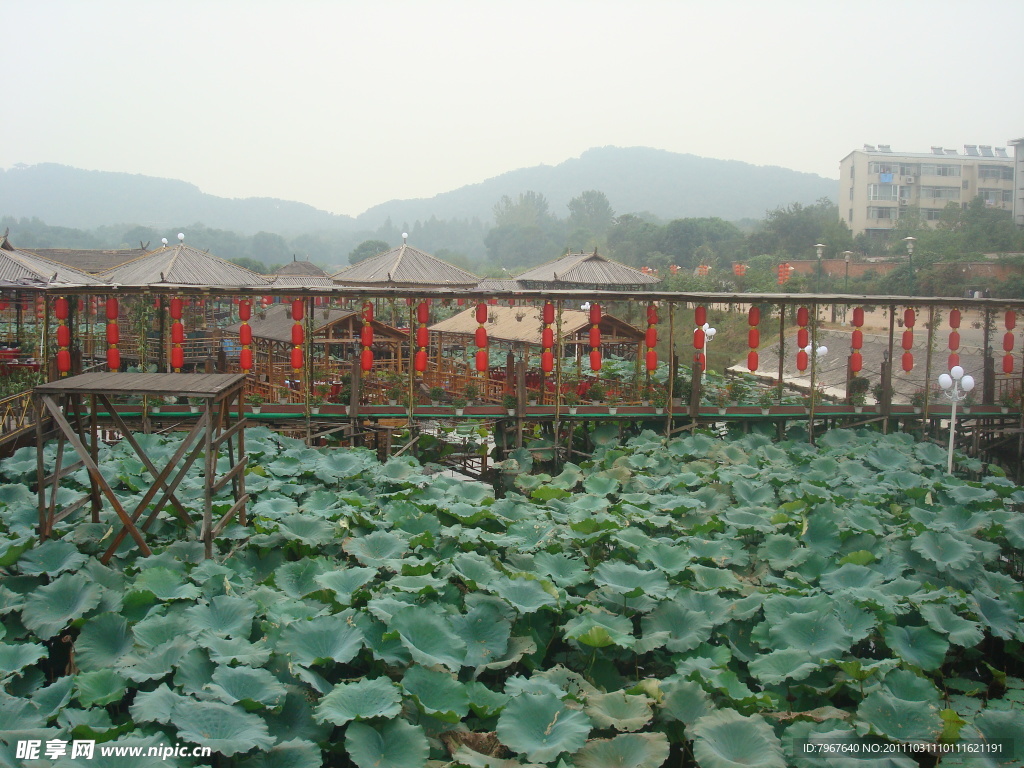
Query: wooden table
[[65, 400]]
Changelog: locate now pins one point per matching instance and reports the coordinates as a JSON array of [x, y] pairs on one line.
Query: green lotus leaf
[[194, 672], [601, 484], [945, 549], [101, 687], [157, 630], [727, 739], [747, 520], [605, 435], [684, 700], [286, 466], [1004, 727], [104, 639], [475, 569], [344, 581], [525, 595], [165, 584], [274, 507], [818, 633], [851, 577], [252, 688], [235, 650], [299, 578], [376, 548], [429, 638], [17, 494], [542, 726], [156, 662], [52, 557], [14, 658], [52, 607], [10, 601], [961, 631], [224, 615], [365, 698], [624, 579], [518, 647], [619, 710], [483, 701], [321, 640], [398, 470], [294, 753], [782, 552], [627, 750], [675, 626], [668, 558], [898, 719], [306, 529], [339, 465], [225, 729], [785, 664], [920, 646], [486, 633], [970, 494], [50, 700], [464, 756], [997, 615], [753, 494], [599, 629], [563, 569], [930, 453], [395, 744], [438, 693], [822, 535], [708, 578], [884, 458]]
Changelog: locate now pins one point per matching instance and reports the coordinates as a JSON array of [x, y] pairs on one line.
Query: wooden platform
[[75, 399]]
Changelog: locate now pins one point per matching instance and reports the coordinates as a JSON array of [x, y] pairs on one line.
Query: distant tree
[[632, 238], [591, 212], [252, 265], [794, 230], [366, 249], [683, 237], [269, 248], [529, 210]]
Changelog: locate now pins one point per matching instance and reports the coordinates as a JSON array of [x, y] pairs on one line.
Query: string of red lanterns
[[753, 337], [595, 337], [700, 318], [61, 309], [547, 338], [909, 318], [1009, 322], [177, 335], [245, 336], [857, 341], [802, 338], [298, 335], [480, 339], [113, 335], [366, 337], [651, 339], [422, 336], [954, 338]]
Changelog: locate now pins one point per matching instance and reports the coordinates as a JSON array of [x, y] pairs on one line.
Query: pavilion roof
[[301, 268], [183, 265], [23, 268], [584, 270], [405, 266], [91, 260], [523, 324], [275, 323]]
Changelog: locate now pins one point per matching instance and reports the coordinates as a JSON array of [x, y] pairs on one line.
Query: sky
[[345, 104]]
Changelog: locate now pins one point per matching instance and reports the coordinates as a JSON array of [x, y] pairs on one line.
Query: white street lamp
[[709, 335], [955, 387]]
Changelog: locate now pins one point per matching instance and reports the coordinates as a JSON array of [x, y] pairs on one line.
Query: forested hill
[[72, 197], [666, 184], [634, 179]]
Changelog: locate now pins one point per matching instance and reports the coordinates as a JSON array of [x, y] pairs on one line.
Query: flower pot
[[612, 410], [511, 411], [193, 409], [314, 409], [966, 409], [458, 411], [256, 408], [154, 409], [392, 402], [645, 403], [533, 402], [858, 409], [435, 403], [765, 411], [1004, 409], [572, 410], [659, 411], [721, 411], [917, 409]]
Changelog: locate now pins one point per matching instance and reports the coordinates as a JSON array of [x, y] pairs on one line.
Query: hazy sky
[[344, 105]]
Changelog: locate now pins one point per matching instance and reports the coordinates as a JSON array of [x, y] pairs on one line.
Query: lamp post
[[709, 334], [910, 240], [955, 387], [820, 248], [846, 280]]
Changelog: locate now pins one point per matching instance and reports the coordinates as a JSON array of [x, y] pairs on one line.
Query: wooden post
[[673, 363], [814, 371], [887, 373], [928, 367], [520, 390]]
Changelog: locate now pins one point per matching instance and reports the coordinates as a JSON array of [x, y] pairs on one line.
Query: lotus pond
[[687, 602]]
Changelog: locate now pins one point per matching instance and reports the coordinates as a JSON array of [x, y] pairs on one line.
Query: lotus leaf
[[525, 595], [624, 579], [225, 729], [920, 646], [223, 615], [633, 750], [438, 693], [376, 548], [52, 557], [104, 639], [322, 640], [252, 688], [430, 638], [684, 700], [676, 627], [619, 710], [818, 633], [785, 664], [541, 726], [363, 699], [396, 744], [14, 658], [52, 607], [485, 631], [899, 719], [344, 581], [236, 650], [961, 631], [599, 629], [726, 739], [299, 578]]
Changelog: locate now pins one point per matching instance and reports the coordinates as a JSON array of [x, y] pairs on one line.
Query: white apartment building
[[876, 184], [1018, 183]]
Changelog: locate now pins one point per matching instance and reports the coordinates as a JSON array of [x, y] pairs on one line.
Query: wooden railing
[[17, 416]]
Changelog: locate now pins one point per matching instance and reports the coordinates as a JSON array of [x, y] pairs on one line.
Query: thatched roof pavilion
[[585, 270], [183, 265], [523, 325], [405, 267], [20, 268]]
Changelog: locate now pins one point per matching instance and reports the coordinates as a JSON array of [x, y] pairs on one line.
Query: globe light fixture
[[955, 386]]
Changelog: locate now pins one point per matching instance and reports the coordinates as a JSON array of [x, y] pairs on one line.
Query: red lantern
[[245, 310], [652, 360], [245, 335], [297, 309], [547, 361], [366, 335], [908, 317], [482, 360], [954, 340], [422, 312], [595, 336], [511, 302], [858, 316], [856, 362], [548, 313], [754, 316], [802, 338], [698, 338], [700, 316], [61, 308], [367, 311], [651, 337], [802, 316], [908, 361], [296, 359], [753, 338], [480, 338], [268, 300], [177, 357], [298, 334], [421, 361], [113, 333], [595, 360], [245, 359], [702, 363], [63, 336], [176, 308], [366, 360], [481, 313], [954, 318], [422, 336], [492, 301], [595, 314], [801, 360], [908, 340], [857, 339], [461, 302], [547, 338], [954, 359], [752, 361], [1007, 363], [652, 314], [177, 333], [1007, 342], [1010, 320], [114, 359]]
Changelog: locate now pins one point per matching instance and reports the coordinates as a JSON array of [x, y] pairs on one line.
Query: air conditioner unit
[[904, 201], [909, 180]]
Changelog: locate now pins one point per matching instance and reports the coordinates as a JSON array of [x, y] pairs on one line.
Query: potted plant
[[194, 404], [571, 399], [858, 391], [614, 399], [917, 400], [472, 392], [737, 390], [255, 401], [460, 405], [315, 403], [766, 399], [508, 402], [722, 400], [596, 392], [394, 394], [660, 400], [858, 399], [436, 395], [1010, 398], [968, 401]]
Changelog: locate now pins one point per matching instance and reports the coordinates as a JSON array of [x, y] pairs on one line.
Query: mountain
[[72, 197], [634, 179]]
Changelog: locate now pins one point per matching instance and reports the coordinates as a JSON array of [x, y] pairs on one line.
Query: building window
[[940, 193], [878, 212], [935, 169], [877, 166], [931, 214], [994, 196], [1003, 172], [883, 191]]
